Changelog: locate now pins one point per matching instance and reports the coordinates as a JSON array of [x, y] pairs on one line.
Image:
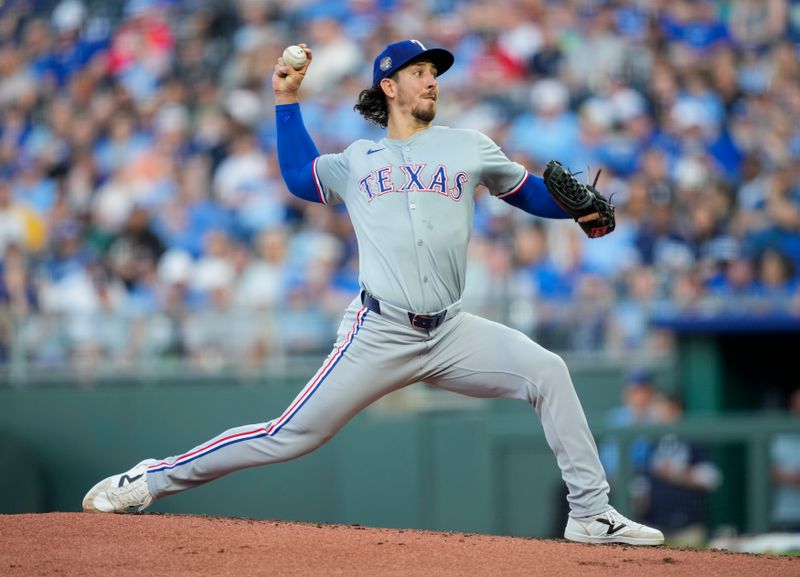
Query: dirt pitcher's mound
[[79, 544]]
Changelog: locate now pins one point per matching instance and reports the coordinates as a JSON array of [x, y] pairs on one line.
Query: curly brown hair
[[372, 106]]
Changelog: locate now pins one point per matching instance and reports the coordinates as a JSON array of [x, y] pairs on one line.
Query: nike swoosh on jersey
[[374, 150]]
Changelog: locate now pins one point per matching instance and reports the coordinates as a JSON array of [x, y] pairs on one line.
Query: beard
[[424, 113]]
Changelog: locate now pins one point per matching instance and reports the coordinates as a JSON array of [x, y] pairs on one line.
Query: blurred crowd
[[672, 477], [143, 215]]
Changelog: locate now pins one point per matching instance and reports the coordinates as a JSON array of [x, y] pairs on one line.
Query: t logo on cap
[[396, 56]]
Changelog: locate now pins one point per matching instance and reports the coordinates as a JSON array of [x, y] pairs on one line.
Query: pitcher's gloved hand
[[580, 200]]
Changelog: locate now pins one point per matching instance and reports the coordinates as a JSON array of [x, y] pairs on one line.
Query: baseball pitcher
[[410, 196]]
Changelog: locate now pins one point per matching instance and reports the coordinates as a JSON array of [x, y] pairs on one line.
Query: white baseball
[[295, 57]]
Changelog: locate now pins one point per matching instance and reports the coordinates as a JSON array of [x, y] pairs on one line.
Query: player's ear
[[389, 87]]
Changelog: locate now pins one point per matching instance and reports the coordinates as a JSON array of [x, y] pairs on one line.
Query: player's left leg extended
[[481, 358], [371, 357]]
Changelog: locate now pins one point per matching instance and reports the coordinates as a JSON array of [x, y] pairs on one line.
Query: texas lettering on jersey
[[380, 181]]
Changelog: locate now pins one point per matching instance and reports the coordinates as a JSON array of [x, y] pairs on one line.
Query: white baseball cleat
[[611, 527], [123, 493]]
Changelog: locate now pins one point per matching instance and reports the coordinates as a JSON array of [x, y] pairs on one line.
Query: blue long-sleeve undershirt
[[296, 153], [532, 197]]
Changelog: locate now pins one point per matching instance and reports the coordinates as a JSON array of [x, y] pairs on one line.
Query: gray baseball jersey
[[411, 203]]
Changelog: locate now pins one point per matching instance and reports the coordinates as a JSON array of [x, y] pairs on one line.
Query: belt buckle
[[421, 321], [426, 321]]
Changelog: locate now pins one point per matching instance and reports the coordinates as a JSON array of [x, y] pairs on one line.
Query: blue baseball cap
[[397, 55], [638, 377]]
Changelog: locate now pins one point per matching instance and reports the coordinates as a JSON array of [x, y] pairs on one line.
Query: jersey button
[[412, 206], [424, 279], [408, 149], [419, 242]]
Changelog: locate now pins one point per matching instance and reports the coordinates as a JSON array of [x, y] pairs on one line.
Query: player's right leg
[[366, 362], [481, 358]]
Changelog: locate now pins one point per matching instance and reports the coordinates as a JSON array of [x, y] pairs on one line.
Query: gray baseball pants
[[376, 354]]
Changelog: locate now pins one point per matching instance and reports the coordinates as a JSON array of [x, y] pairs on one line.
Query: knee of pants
[[555, 366], [300, 442], [550, 370], [539, 374]]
